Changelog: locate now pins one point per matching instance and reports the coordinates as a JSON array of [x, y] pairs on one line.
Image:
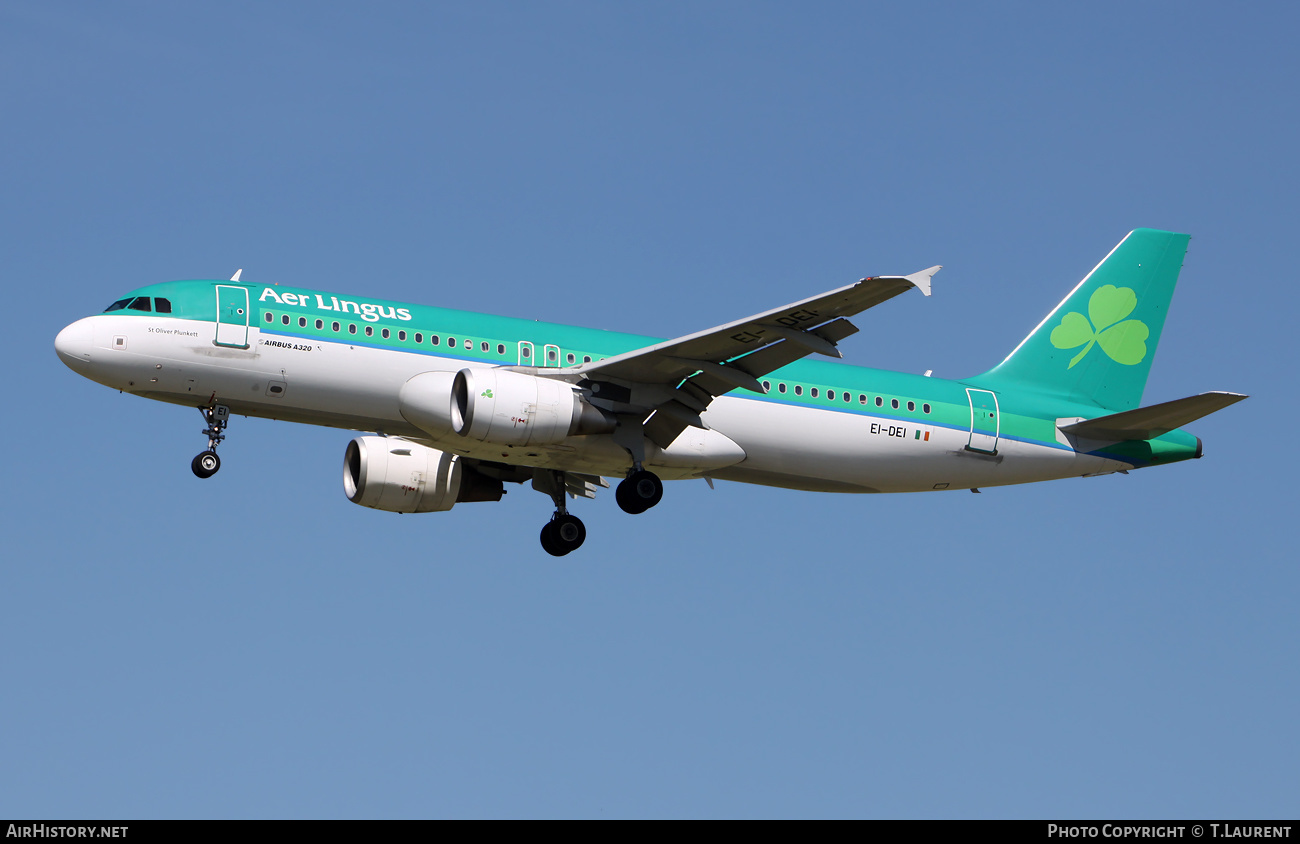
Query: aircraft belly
[[688, 457], [810, 448]]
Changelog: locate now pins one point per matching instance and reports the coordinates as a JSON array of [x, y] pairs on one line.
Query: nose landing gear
[[206, 464]]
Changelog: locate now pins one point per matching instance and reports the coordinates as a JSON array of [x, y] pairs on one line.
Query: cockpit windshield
[[141, 303]]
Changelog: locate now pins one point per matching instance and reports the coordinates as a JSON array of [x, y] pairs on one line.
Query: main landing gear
[[639, 491], [205, 465], [564, 533]]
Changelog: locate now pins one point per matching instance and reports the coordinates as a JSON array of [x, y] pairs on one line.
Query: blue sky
[[256, 646]]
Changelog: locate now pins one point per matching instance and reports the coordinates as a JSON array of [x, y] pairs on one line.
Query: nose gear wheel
[[206, 464]]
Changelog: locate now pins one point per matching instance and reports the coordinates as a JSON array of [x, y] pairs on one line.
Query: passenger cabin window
[[140, 303], [385, 333], [780, 388], [926, 407], [798, 390], [270, 318], [320, 323], [893, 403], [401, 335], [911, 405], [302, 322], [335, 327], [419, 338], [118, 305], [162, 306]]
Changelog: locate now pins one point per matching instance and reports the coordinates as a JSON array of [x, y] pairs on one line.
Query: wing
[[678, 379]]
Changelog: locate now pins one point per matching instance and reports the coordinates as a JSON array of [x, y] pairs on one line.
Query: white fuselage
[[356, 387]]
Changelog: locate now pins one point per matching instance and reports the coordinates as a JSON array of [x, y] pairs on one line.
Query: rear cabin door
[[984, 421], [232, 316]]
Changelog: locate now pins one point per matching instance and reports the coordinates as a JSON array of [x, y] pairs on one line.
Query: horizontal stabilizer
[[1149, 422]]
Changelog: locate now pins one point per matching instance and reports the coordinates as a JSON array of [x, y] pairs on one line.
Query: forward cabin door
[[984, 421], [232, 316]]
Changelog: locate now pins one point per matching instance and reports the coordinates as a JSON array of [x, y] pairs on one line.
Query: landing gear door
[[984, 421], [232, 316]]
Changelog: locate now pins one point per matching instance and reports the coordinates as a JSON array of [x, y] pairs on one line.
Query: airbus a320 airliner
[[463, 403]]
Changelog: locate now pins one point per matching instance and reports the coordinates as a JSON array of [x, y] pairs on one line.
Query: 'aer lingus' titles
[[367, 311]]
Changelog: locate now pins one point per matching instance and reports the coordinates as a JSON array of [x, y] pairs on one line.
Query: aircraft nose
[[73, 343]]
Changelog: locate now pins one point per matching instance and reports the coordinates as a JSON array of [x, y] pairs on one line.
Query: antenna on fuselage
[[235, 277]]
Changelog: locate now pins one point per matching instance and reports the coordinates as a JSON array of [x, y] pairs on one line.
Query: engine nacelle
[[400, 476], [499, 406]]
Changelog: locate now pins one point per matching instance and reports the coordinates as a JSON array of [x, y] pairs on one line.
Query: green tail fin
[[1097, 345]]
